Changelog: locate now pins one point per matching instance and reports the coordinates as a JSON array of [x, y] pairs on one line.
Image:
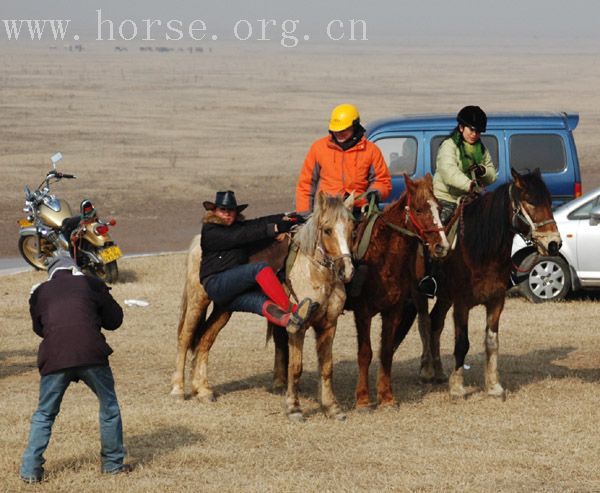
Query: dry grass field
[[544, 437], [152, 135]]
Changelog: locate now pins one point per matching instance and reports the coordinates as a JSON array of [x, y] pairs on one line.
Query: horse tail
[[194, 301], [409, 316]]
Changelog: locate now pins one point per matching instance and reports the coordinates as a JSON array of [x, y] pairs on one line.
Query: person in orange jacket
[[342, 163]]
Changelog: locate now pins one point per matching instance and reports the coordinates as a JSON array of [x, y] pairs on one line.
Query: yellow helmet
[[343, 117]]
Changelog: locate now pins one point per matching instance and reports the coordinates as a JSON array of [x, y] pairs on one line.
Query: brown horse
[[322, 265], [395, 263], [477, 271]]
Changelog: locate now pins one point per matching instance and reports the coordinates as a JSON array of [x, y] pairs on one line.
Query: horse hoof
[[458, 394], [388, 403], [440, 378], [207, 397], [296, 417], [364, 408], [177, 393], [335, 413], [498, 392], [426, 375], [278, 389]]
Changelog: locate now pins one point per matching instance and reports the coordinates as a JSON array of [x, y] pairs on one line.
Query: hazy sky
[[471, 18]]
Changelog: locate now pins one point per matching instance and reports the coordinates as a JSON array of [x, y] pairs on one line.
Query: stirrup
[[428, 286]]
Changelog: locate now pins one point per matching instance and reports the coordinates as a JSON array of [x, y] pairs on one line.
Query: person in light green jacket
[[463, 163]]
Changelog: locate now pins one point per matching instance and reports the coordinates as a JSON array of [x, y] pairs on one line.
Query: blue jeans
[[52, 389], [236, 289]]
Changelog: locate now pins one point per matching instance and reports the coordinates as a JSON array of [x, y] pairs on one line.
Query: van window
[[544, 151], [400, 154], [489, 141]]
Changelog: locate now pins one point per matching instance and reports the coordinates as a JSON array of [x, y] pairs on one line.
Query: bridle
[[520, 215], [325, 260], [409, 217]]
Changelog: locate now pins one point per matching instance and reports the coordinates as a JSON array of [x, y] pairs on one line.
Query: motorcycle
[[50, 225]]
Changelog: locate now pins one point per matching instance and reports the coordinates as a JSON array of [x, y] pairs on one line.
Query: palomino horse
[[321, 267], [395, 264], [477, 271]]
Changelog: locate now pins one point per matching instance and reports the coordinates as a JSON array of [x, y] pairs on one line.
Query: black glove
[[284, 226], [478, 169], [372, 195], [296, 218]]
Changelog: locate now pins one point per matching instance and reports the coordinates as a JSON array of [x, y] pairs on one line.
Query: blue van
[[523, 141]]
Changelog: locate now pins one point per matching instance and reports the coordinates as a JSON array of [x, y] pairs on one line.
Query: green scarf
[[470, 154]]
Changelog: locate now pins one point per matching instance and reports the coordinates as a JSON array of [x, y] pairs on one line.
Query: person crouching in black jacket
[[68, 312], [233, 283]]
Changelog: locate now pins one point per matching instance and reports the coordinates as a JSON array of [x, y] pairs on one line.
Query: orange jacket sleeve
[[308, 182], [382, 182]]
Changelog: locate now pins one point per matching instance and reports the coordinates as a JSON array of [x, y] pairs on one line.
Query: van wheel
[[548, 280]]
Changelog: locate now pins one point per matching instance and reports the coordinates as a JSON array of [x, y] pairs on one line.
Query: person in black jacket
[[233, 283], [68, 312]]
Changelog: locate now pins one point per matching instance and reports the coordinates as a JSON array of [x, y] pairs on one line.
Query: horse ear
[[429, 180], [321, 200], [349, 202], [516, 177]]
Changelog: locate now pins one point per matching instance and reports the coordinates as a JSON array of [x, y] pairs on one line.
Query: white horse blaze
[[348, 271], [341, 238], [438, 222]]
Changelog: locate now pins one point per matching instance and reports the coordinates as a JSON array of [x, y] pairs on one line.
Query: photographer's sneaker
[[124, 469]]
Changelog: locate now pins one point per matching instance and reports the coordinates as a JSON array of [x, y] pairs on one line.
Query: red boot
[[275, 314], [294, 321], [270, 285]]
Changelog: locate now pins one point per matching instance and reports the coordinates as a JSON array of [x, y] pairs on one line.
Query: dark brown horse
[[477, 271], [395, 263]]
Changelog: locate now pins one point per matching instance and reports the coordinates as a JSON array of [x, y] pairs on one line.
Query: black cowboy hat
[[225, 200]]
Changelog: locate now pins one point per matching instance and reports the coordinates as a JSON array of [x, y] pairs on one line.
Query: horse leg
[[282, 357], [461, 347], [292, 402], [492, 382], [437, 318], [324, 344], [193, 313], [362, 321], [200, 387], [390, 320]]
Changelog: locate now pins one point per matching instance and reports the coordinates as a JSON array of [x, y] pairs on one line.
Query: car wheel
[[549, 279]]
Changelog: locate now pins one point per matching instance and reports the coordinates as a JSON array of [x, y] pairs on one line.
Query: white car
[[578, 264]]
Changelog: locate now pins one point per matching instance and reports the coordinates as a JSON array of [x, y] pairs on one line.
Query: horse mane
[[307, 234], [487, 227]]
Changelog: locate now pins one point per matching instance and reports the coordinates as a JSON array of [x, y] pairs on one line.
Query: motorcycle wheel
[[109, 273], [28, 248]]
